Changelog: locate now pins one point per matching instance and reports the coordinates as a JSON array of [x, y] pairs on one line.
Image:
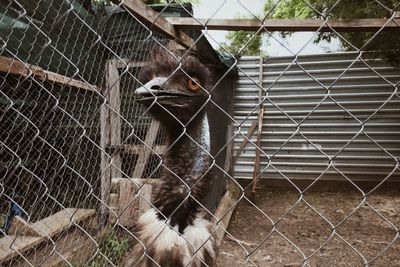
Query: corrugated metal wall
[[317, 107]]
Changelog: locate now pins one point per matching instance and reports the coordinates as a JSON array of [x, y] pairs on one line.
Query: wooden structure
[[25, 236], [13, 66], [110, 135], [128, 197], [153, 19], [293, 25], [173, 26], [111, 169]]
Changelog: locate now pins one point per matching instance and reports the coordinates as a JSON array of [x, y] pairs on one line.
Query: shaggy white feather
[[198, 235], [162, 237]]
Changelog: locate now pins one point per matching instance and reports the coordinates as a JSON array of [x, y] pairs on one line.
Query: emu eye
[[193, 84]]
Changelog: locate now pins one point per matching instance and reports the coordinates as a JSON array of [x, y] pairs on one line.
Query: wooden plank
[[127, 62], [13, 66], [116, 181], [114, 199], [110, 135], [146, 152], [127, 203], [130, 205], [222, 216], [256, 170], [113, 86], [229, 149], [137, 149], [104, 164], [21, 227], [249, 133], [73, 247], [153, 19], [62, 220], [11, 246], [145, 194], [346, 25]]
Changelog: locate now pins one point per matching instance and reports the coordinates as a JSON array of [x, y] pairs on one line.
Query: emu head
[[175, 85]]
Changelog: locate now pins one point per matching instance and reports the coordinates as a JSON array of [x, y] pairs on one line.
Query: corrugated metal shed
[[327, 116]]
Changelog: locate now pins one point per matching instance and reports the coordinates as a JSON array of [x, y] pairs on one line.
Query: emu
[[175, 92]]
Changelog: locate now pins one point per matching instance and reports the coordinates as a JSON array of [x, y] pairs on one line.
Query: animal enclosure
[[303, 149]]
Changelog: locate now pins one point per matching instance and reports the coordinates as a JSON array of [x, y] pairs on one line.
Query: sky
[[300, 42]]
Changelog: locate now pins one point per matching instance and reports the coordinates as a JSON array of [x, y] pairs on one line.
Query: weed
[[113, 246]]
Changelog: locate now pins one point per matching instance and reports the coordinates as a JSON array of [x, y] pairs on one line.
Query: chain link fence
[[302, 151]]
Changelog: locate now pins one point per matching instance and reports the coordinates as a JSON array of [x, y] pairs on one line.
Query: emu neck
[[188, 152], [185, 178]]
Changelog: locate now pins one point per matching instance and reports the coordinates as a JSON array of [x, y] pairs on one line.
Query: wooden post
[[110, 130], [259, 130], [144, 156], [132, 202], [114, 115], [229, 148]]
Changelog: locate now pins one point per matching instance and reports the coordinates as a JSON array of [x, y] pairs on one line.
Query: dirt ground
[[363, 236]]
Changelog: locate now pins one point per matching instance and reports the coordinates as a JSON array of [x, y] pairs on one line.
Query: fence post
[[110, 131], [260, 119]]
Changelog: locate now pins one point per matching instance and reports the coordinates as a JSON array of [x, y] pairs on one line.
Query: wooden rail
[[152, 18], [260, 119], [349, 25], [13, 66]]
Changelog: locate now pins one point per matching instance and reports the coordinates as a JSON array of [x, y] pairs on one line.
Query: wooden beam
[[115, 182], [120, 64], [73, 248], [137, 149], [260, 119], [21, 227], [222, 216], [129, 204], [113, 85], [144, 156], [110, 135], [152, 18], [249, 133], [13, 66], [62, 220], [304, 25], [13, 245]]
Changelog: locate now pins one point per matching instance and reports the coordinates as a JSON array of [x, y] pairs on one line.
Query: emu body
[[172, 233]]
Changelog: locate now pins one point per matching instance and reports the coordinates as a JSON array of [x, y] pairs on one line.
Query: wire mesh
[[81, 157]]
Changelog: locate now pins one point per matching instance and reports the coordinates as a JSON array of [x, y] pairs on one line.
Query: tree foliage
[[151, 2], [147, 2], [243, 43], [387, 43]]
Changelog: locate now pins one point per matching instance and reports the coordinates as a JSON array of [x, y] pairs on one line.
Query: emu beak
[[151, 88]]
